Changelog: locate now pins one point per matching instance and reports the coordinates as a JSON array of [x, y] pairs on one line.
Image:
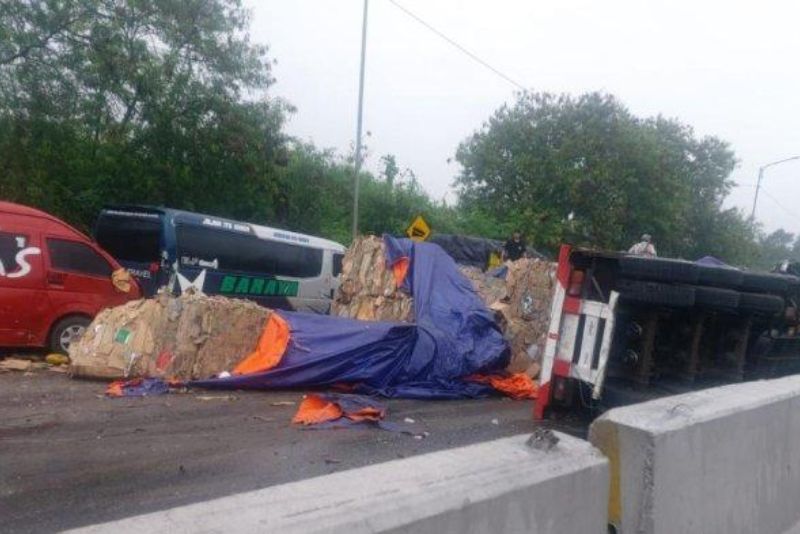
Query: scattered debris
[[57, 359], [542, 439], [332, 461], [282, 403], [217, 397], [409, 420], [495, 421], [139, 387], [15, 364]]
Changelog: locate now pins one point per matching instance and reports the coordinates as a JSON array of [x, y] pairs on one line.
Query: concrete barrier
[[722, 460], [498, 486]]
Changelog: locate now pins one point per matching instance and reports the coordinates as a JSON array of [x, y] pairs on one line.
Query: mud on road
[[70, 456]]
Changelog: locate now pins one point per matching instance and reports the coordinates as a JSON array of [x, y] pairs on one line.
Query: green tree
[[143, 101], [774, 248], [585, 170]]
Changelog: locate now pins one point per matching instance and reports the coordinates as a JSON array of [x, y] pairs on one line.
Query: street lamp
[[760, 176], [360, 115]]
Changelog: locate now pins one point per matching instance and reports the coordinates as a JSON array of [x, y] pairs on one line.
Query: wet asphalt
[[69, 456]]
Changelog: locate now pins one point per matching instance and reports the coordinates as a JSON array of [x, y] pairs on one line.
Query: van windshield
[[129, 238]]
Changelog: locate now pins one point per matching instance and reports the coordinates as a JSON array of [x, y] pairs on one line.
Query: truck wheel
[[67, 331], [766, 282], [760, 303], [715, 297], [655, 293], [658, 269], [719, 276]]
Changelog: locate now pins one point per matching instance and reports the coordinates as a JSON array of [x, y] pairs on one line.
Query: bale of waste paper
[[189, 337], [491, 289], [368, 291], [529, 283], [521, 302]]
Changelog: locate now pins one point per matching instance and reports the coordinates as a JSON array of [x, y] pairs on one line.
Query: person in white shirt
[[644, 247]]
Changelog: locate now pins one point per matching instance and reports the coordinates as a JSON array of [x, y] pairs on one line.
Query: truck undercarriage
[[627, 328]]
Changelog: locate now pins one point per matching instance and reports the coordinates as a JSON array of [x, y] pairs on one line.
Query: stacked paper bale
[[368, 291], [190, 337], [530, 283], [490, 288], [521, 303]]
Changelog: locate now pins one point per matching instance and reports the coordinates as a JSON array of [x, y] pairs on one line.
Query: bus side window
[[246, 253]]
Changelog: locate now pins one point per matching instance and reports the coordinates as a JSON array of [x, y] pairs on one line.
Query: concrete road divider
[[722, 460], [499, 486]]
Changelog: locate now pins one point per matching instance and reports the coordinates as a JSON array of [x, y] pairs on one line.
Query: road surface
[[71, 457]]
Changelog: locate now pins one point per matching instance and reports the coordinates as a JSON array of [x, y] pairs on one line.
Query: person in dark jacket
[[514, 248]]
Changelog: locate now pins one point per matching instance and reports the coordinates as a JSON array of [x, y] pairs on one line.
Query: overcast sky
[[728, 68]]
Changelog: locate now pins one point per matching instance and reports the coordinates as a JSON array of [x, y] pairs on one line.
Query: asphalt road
[[71, 457]]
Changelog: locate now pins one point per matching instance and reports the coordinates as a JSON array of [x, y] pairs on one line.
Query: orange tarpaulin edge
[[315, 409], [517, 386], [400, 270], [271, 347]]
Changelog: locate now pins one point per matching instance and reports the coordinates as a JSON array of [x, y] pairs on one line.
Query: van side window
[[337, 264], [76, 257], [10, 245], [245, 253], [129, 238]]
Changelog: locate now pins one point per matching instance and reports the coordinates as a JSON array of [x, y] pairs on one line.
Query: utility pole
[[360, 116], [760, 177]]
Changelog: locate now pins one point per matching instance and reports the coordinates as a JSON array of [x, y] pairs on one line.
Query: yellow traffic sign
[[419, 229]]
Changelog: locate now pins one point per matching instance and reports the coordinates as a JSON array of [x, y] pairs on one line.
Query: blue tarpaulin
[[454, 335]]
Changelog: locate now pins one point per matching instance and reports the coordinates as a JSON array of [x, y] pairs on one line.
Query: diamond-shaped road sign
[[419, 229]]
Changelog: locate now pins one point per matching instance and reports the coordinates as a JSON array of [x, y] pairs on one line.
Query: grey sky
[[729, 68]]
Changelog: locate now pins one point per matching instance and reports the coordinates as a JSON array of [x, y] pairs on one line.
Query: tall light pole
[[760, 176], [360, 115]]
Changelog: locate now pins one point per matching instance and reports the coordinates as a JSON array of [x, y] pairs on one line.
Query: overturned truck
[[626, 328]]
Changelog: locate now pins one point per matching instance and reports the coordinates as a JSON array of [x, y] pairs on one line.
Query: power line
[[781, 206], [459, 47]]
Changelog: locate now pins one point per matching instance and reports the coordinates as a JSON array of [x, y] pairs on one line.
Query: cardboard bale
[[521, 304], [368, 290], [188, 337], [490, 288], [530, 284]]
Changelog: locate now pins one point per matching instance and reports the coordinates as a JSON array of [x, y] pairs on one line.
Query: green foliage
[[163, 102], [585, 170], [317, 188], [107, 101]]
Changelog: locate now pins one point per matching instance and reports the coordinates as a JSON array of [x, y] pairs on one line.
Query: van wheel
[[67, 331]]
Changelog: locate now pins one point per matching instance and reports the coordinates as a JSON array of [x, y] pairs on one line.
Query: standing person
[[514, 248], [644, 247]]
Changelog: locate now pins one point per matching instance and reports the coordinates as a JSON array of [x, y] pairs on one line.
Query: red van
[[53, 280]]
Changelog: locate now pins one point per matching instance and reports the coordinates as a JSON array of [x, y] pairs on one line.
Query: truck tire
[[658, 269], [760, 303], [66, 331], [715, 297], [719, 276], [656, 293], [766, 282]]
